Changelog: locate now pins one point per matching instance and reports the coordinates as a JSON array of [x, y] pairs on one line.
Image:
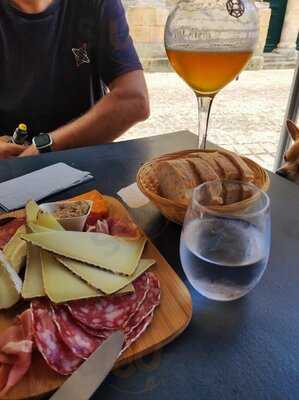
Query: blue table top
[[246, 349]]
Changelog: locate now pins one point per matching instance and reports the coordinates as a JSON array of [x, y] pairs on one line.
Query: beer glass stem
[[204, 108]]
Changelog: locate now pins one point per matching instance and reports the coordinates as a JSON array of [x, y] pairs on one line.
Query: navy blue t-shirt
[[54, 65]]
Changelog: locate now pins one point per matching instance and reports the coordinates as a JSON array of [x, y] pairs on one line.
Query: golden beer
[[208, 72]]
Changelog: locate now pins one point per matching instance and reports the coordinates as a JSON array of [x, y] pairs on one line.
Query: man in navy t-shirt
[[68, 68]]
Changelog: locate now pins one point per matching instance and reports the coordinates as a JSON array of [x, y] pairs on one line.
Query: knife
[[85, 380]]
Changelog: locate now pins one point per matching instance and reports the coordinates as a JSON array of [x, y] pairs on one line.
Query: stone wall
[[147, 20], [264, 14]]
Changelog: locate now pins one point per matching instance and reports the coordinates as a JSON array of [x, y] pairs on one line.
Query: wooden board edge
[[153, 348], [130, 357], [188, 313]]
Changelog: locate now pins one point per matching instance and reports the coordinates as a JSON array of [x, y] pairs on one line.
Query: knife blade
[[85, 380]]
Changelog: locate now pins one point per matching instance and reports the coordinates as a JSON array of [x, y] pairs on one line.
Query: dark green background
[[278, 11], [277, 17]]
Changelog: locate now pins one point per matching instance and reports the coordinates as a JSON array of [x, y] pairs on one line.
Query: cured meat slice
[[138, 321], [121, 228], [15, 352], [77, 340], [111, 312], [92, 220], [151, 301], [56, 354], [137, 332], [113, 226], [8, 230], [100, 333], [102, 226]]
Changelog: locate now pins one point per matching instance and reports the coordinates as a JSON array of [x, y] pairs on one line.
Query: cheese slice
[[61, 284], [37, 228], [33, 284], [9, 295], [17, 281], [34, 215], [103, 280], [32, 211], [10, 284], [115, 254], [15, 250], [48, 221]]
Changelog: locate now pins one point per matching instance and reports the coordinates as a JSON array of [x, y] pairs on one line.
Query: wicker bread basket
[[149, 185]]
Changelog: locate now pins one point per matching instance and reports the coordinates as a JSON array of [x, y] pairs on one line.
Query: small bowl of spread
[[72, 215]]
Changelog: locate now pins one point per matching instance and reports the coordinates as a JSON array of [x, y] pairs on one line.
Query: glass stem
[[204, 109]]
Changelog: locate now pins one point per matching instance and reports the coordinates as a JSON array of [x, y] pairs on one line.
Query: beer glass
[[208, 43]]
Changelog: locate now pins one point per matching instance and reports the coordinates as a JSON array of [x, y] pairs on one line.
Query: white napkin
[[39, 184], [132, 196]]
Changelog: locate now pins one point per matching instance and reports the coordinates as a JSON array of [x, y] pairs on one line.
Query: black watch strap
[[43, 142], [47, 149]]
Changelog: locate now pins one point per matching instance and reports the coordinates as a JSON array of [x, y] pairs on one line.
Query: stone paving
[[246, 117]]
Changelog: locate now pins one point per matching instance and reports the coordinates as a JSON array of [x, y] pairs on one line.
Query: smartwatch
[[43, 142]]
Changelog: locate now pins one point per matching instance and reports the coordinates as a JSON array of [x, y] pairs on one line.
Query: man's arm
[[126, 104]]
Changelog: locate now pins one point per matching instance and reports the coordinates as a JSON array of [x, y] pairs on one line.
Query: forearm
[[107, 120]]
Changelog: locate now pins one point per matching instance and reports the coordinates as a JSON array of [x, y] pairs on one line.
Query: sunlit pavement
[[247, 115]]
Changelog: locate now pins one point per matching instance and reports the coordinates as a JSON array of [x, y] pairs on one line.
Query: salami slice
[[137, 332], [56, 354], [8, 230], [138, 321], [77, 340], [151, 301], [111, 312], [99, 333]]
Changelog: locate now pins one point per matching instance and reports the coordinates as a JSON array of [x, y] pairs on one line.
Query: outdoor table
[[247, 349]]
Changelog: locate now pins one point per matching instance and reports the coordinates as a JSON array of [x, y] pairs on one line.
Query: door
[[278, 11]]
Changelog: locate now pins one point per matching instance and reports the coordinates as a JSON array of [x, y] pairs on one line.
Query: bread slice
[[176, 180], [246, 174], [226, 170], [234, 169], [232, 193], [208, 157], [206, 173], [202, 169], [178, 177], [211, 195], [229, 170]]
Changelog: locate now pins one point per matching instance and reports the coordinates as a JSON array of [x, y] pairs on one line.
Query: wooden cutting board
[[170, 320]]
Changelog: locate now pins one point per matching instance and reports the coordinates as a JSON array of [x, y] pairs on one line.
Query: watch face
[[42, 141]]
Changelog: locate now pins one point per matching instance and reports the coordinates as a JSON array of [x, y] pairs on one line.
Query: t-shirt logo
[[81, 55]]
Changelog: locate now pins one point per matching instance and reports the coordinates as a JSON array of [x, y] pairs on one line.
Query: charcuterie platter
[[78, 295]]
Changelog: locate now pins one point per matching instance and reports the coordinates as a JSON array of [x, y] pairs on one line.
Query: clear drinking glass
[[224, 254], [208, 43]]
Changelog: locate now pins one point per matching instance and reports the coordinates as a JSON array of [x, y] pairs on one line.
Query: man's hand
[[29, 151], [5, 138], [9, 150]]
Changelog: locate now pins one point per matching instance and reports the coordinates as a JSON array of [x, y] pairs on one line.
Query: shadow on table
[[219, 321]]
